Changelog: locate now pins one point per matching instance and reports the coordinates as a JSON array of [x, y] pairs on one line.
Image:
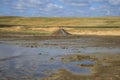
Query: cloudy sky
[[60, 8]]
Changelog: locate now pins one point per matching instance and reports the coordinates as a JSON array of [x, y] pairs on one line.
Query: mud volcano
[[60, 32]]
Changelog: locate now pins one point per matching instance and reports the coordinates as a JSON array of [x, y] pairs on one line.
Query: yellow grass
[[96, 31], [74, 31], [77, 26], [42, 21]]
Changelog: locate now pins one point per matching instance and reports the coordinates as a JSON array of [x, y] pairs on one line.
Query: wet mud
[[71, 58]]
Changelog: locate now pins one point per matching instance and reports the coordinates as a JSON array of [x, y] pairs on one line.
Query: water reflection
[[31, 63], [33, 59]]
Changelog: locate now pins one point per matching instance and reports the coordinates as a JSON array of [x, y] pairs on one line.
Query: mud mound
[[60, 32]]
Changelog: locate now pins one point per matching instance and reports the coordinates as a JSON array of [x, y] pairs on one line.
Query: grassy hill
[[71, 22], [43, 25]]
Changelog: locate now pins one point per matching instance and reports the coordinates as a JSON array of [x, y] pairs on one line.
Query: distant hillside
[[70, 22]]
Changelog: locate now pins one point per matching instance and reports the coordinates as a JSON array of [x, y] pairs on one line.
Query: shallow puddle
[[18, 62], [25, 59]]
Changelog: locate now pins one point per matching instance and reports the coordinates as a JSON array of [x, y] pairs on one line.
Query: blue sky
[[60, 8]]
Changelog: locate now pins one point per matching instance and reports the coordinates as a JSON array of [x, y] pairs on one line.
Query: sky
[[60, 8]]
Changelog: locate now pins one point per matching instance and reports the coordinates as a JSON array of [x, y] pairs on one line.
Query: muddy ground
[[105, 68], [35, 57]]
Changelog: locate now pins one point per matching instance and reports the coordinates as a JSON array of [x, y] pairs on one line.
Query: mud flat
[[105, 68], [59, 58]]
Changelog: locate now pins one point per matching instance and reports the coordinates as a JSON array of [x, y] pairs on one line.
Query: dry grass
[[74, 31], [41, 21], [94, 31], [82, 26]]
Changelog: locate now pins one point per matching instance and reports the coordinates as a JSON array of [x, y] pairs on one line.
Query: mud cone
[[60, 32]]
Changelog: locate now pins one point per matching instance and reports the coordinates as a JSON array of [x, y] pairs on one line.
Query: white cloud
[[6, 1], [95, 0], [41, 5], [114, 2], [77, 3], [51, 5], [20, 7], [108, 12], [64, 7], [93, 8]]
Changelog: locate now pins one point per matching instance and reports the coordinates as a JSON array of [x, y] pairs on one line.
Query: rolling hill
[[47, 25], [66, 22]]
